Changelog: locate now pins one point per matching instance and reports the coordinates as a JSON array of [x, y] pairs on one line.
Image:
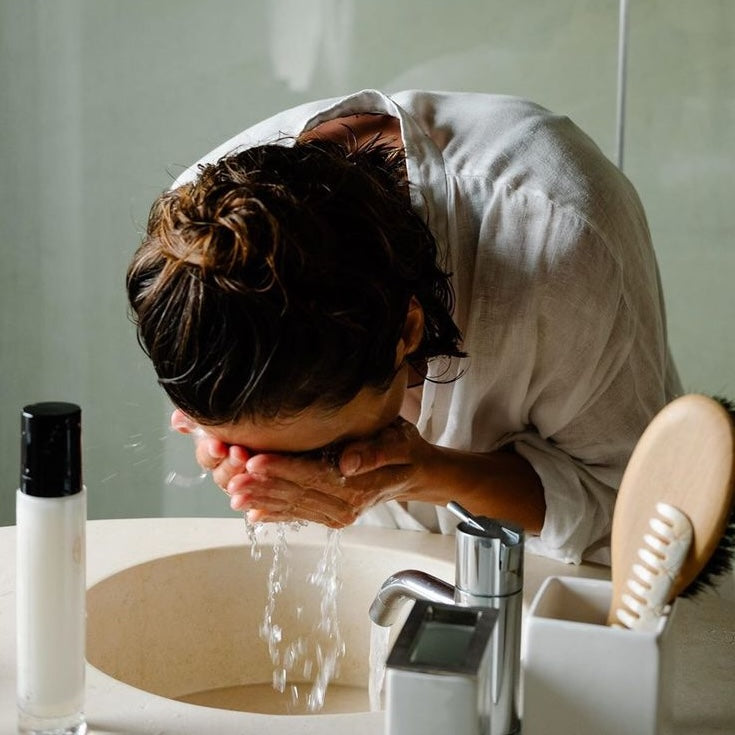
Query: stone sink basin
[[186, 625]]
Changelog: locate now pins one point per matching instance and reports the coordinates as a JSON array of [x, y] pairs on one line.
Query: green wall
[[102, 102]]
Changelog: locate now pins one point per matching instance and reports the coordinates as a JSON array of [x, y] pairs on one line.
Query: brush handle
[[659, 564], [685, 458]]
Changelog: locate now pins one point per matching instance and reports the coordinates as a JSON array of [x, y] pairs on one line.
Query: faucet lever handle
[[486, 525], [464, 515]]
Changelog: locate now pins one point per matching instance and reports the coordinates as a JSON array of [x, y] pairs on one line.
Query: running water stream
[[311, 652], [379, 649]]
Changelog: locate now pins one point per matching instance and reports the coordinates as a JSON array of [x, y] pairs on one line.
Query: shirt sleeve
[[599, 375]]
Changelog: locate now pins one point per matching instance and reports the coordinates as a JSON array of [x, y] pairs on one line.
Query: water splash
[[135, 441], [181, 480], [184, 479]]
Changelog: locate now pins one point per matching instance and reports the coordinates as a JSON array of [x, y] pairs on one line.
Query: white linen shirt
[[557, 296]]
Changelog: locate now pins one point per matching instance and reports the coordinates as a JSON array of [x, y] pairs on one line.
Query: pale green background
[[103, 101]]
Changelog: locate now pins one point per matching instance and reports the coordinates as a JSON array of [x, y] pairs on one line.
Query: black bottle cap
[[50, 450]]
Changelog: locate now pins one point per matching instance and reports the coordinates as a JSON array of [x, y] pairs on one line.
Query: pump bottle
[[51, 518]]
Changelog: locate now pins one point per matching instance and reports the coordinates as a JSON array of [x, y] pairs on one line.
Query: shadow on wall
[[310, 39]]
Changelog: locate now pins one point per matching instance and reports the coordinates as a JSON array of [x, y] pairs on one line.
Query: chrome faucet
[[488, 573]]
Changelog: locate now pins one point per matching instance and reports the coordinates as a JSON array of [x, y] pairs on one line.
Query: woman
[[366, 307]]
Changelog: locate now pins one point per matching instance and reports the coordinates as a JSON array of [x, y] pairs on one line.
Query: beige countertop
[[704, 680]]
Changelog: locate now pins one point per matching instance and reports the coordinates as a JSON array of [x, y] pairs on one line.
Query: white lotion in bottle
[[51, 514]]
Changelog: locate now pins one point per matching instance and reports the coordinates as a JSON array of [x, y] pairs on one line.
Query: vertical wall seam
[[622, 82]]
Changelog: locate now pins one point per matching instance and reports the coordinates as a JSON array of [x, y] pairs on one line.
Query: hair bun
[[210, 233]]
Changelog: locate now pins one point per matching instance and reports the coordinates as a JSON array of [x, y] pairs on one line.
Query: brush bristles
[[721, 562]]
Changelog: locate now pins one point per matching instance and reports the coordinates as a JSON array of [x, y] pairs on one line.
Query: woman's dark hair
[[281, 278]]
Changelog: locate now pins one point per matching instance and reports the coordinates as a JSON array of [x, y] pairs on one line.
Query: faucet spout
[[404, 586]]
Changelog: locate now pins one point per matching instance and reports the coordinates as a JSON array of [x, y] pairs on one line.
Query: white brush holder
[[582, 677]]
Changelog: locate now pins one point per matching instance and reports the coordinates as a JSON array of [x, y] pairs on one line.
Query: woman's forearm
[[499, 484]]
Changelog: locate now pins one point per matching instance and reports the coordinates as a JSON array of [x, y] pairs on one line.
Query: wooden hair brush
[[684, 460]]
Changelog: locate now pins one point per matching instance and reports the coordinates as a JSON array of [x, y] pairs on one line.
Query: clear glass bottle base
[[70, 725]]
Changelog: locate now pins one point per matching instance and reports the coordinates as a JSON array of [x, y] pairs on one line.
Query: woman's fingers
[[209, 452], [323, 499], [391, 446], [223, 460], [229, 464], [305, 472]]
